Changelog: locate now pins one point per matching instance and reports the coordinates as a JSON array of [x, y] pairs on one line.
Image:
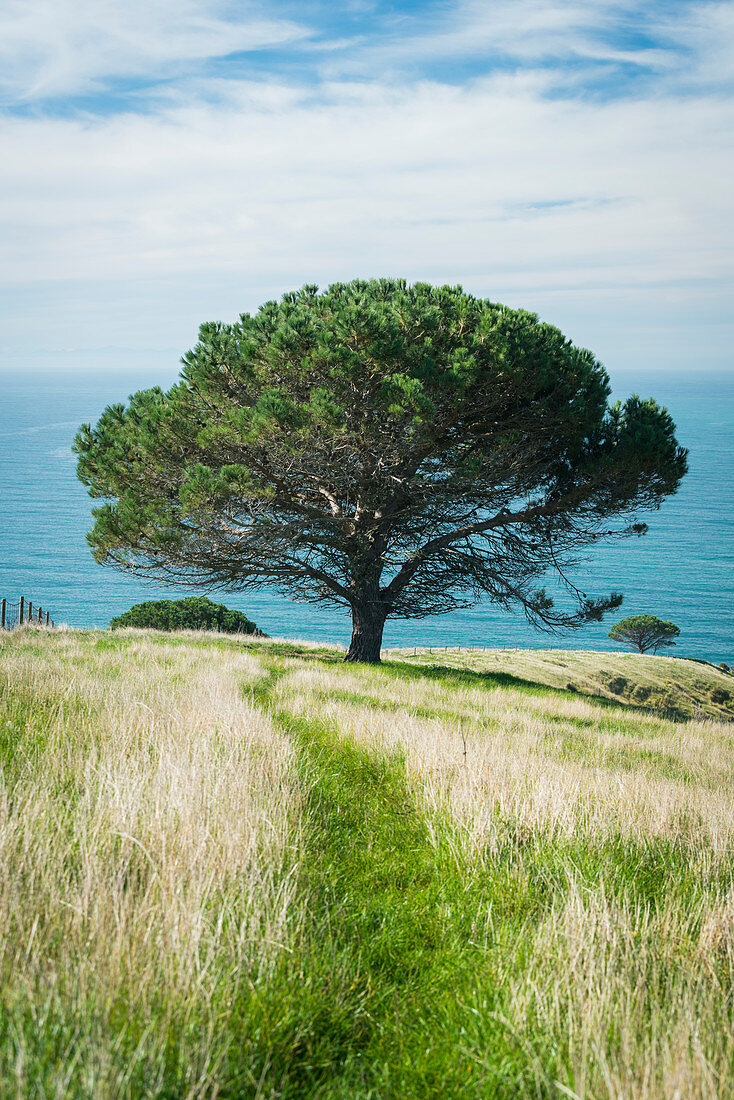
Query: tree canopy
[[190, 613], [399, 450], [644, 632]]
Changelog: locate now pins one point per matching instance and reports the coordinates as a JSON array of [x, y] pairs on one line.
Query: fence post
[[2, 614], [40, 613], [20, 610], [48, 617], [30, 611]]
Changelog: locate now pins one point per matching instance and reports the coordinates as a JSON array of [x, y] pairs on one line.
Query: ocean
[[683, 570]]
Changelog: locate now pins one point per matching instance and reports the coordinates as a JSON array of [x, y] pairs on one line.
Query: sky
[[170, 162]]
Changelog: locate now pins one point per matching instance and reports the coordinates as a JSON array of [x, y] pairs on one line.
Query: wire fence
[[22, 611], [413, 650]]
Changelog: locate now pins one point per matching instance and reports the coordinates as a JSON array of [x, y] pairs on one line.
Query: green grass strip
[[394, 962]]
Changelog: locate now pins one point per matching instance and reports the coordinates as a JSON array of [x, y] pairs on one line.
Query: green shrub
[[668, 703], [641, 694], [192, 613], [720, 695]]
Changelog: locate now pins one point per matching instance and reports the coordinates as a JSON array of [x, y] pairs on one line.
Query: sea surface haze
[[682, 570]]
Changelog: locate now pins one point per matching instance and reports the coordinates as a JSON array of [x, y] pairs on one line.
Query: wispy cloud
[[521, 180], [522, 32], [493, 176], [703, 42], [66, 47], [55, 48]]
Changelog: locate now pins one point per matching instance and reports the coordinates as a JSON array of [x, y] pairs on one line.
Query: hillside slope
[[243, 869], [676, 686]]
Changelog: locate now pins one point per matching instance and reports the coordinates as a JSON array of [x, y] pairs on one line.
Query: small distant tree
[[191, 613], [397, 450], [644, 632]]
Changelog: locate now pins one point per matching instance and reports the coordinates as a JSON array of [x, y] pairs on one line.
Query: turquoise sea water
[[683, 570]]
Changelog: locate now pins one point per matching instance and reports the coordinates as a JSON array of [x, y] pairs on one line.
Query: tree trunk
[[368, 623]]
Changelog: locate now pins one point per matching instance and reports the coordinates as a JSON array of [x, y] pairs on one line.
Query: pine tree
[[398, 450], [644, 632]]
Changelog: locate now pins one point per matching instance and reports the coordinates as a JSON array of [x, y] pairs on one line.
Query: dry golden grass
[[563, 764], [148, 828], [635, 980], [649, 680], [151, 844]]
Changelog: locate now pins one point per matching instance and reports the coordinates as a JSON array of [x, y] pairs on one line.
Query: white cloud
[[705, 41], [58, 47], [614, 218], [490, 177]]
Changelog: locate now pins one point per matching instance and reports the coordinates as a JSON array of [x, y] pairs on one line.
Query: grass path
[[398, 928]]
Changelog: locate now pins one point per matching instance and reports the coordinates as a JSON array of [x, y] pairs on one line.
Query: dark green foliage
[[398, 450], [720, 695], [644, 632], [617, 685], [192, 613]]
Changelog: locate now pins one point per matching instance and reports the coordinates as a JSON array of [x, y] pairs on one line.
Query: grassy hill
[[242, 869], [672, 685]]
